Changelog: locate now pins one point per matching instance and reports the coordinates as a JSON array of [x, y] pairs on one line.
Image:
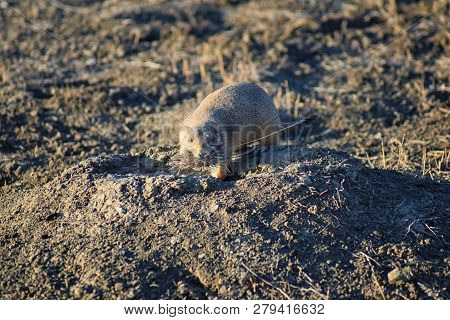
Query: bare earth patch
[[309, 223]]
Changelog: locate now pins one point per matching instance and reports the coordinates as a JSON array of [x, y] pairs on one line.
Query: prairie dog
[[227, 119]]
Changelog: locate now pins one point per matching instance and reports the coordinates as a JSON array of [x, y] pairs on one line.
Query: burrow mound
[[307, 224]]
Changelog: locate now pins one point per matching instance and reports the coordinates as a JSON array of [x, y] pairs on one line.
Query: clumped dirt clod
[[309, 223]]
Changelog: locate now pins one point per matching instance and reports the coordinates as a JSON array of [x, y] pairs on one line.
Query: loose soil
[[353, 205]]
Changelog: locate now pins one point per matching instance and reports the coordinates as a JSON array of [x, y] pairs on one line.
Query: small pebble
[[394, 275], [213, 207]]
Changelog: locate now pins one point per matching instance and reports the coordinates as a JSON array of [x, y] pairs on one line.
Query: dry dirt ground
[[353, 205]]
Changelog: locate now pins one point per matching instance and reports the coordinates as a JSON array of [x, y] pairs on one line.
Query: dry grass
[[374, 83]]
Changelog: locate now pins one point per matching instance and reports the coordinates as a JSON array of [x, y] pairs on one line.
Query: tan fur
[[240, 112]]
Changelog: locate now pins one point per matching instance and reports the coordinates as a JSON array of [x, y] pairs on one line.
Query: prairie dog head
[[202, 142]]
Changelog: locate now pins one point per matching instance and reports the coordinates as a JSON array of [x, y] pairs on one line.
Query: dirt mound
[[303, 223]]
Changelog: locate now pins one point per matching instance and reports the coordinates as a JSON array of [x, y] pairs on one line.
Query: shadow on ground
[[301, 223]]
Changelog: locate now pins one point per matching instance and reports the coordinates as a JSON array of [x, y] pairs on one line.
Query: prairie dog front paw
[[220, 171]]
